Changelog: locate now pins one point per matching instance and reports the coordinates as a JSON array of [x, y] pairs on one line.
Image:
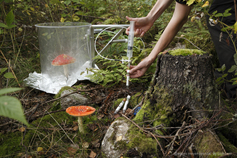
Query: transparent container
[[67, 41]]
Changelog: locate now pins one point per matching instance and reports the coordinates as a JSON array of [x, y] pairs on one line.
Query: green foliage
[[113, 73], [9, 19], [7, 74], [11, 106]]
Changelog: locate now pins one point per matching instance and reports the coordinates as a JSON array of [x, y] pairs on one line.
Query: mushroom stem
[[80, 124], [65, 68]]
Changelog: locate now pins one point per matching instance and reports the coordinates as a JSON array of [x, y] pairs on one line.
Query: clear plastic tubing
[[130, 48], [130, 39]]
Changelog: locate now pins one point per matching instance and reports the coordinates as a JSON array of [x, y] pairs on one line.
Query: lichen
[[186, 52]]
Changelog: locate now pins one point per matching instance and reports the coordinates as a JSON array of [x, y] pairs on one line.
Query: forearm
[[178, 20], [158, 9]]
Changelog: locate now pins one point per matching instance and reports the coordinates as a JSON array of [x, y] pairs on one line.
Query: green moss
[[230, 148], [207, 143], [158, 108], [215, 155], [117, 102], [63, 89], [138, 139], [186, 52], [121, 145], [80, 86], [11, 144], [134, 100], [145, 111], [56, 104]]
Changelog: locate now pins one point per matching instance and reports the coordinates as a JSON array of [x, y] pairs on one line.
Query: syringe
[[130, 48]]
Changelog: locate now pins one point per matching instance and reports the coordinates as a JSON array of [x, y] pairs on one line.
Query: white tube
[[127, 80], [119, 107], [126, 104]]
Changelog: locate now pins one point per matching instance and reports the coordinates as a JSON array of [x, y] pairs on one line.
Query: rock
[[73, 99], [115, 134], [124, 139]]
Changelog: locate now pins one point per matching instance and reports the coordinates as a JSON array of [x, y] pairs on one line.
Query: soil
[[36, 102]]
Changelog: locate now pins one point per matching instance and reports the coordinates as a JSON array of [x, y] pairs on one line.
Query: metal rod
[[115, 37], [112, 26]]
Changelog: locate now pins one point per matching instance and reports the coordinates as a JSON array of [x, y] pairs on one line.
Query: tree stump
[[183, 90]]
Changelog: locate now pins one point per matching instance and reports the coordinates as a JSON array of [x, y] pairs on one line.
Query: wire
[[99, 53]]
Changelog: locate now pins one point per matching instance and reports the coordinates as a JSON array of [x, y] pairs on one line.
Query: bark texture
[[190, 82], [183, 89]]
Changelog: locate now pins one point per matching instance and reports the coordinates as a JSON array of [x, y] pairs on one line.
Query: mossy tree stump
[[183, 89]]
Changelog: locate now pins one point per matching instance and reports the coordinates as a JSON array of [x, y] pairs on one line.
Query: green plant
[[11, 106], [6, 74], [113, 73]]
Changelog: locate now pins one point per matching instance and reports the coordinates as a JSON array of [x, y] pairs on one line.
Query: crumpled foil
[[52, 85]]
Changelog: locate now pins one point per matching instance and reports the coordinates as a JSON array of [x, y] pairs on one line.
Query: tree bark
[[183, 89]]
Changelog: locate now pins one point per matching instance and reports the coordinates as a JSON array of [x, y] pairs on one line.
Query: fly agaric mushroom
[[80, 111], [63, 60]]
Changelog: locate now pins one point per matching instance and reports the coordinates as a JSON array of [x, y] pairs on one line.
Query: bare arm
[[142, 25], [179, 18]]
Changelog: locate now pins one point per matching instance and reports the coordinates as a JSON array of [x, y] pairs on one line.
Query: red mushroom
[[63, 60], [80, 111]]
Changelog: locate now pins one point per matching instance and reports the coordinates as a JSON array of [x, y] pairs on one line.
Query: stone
[[115, 134], [72, 100]]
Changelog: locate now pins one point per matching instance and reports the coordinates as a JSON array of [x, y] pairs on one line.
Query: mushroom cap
[[80, 110], [63, 59]]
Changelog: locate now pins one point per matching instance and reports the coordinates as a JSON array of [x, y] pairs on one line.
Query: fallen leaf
[[19, 154], [85, 145], [22, 129], [75, 128], [100, 116], [116, 116], [76, 146], [71, 151], [75, 123], [39, 149], [128, 110], [96, 143], [92, 154]]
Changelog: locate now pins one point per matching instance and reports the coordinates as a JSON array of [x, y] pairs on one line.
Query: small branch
[[138, 105], [176, 135], [70, 94], [146, 132], [10, 68]]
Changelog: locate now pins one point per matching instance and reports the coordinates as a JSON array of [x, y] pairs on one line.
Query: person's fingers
[[130, 19], [142, 34], [127, 30], [136, 74], [131, 66]]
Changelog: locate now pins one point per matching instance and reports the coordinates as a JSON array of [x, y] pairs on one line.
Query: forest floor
[[53, 133]]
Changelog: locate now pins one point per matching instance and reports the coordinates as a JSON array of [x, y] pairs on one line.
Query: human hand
[[141, 26], [140, 69]]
